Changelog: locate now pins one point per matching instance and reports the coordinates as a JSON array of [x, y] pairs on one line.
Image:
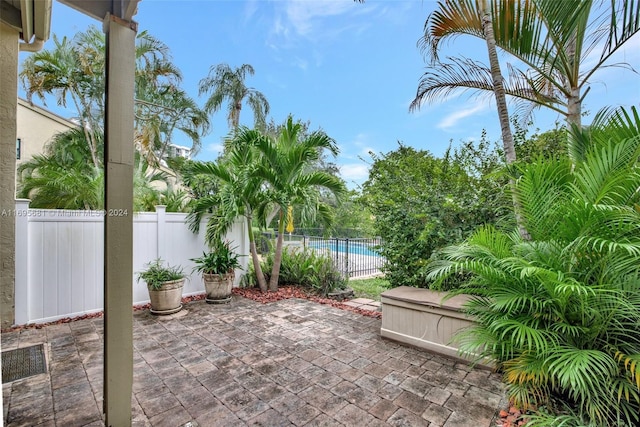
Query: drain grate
[[23, 362]]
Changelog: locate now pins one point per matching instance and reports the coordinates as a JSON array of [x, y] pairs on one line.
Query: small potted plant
[[218, 271], [165, 283]]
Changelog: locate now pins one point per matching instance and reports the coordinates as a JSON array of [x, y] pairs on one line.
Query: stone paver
[[364, 304], [289, 363]]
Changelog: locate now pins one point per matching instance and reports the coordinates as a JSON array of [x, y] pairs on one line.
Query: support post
[[161, 219], [118, 225]]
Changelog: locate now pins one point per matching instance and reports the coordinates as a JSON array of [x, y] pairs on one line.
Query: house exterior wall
[[9, 38], [36, 127]]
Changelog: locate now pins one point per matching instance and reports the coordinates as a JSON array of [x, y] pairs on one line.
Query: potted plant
[[165, 283], [218, 271]]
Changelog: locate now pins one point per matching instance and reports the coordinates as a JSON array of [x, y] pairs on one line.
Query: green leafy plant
[[155, 273], [560, 313], [422, 203], [304, 267], [220, 260]]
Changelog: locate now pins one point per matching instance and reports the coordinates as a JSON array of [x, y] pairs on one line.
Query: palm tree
[[69, 71], [64, 178], [236, 192], [559, 313], [74, 69], [225, 83], [453, 15], [51, 184], [291, 184], [161, 106], [160, 111], [554, 40]]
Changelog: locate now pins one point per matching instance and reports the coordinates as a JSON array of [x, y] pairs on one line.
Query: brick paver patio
[[289, 363]]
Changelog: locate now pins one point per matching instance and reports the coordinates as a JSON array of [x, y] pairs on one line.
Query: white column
[[118, 224], [22, 262], [161, 217]]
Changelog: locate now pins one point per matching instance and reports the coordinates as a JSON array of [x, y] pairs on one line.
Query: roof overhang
[[32, 18], [98, 9]]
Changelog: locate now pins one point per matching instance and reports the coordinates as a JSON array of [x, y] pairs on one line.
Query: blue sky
[[350, 69]]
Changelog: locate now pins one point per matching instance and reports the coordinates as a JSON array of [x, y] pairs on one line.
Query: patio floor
[[288, 363]]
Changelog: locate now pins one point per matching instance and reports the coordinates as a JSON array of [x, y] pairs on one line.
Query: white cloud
[[354, 172], [362, 145], [451, 120], [315, 21], [250, 9], [305, 15]]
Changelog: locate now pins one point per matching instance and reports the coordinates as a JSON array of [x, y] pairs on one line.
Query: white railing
[[60, 258]]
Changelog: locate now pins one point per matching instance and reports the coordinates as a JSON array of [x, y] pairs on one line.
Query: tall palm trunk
[[574, 101], [277, 257], [503, 112], [574, 108], [262, 283], [235, 120]]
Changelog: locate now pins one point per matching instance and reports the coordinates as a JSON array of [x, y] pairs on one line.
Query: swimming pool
[[352, 248]]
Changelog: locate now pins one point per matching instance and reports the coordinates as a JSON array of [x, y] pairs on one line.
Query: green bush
[[422, 203], [307, 268], [560, 313]]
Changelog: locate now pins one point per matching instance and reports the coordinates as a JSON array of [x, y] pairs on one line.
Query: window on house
[[18, 148]]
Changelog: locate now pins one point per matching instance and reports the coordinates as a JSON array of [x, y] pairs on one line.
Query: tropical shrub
[[422, 203], [560, 313], [221, 259], [310, 269]]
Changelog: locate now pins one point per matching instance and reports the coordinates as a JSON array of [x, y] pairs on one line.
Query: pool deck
[[289, 363]]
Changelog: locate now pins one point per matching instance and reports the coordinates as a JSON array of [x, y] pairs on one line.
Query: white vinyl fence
[[60, 258]]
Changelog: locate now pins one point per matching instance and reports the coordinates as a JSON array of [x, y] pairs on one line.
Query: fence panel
[[353, 257], [60, 258]]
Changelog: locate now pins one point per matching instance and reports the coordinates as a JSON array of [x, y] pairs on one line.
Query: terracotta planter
[[167, 299], [218, 287]]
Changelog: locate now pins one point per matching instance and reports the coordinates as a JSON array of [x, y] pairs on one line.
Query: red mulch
[[511, 418], [284, 292]]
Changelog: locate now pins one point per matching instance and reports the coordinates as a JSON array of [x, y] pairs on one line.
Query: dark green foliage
[[560, 313], [65, 178], [307, 268], [422, 203], [550, 144]]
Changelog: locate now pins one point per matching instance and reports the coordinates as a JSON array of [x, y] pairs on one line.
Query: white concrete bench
[[421, 318]]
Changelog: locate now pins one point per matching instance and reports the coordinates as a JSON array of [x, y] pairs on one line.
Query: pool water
[[354, 248]]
